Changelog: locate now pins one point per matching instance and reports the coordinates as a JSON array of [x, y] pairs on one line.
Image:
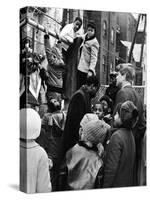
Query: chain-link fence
[[139, 89]]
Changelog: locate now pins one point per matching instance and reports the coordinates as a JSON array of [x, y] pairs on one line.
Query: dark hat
[[128, 114], [113, 74], [91, 24]]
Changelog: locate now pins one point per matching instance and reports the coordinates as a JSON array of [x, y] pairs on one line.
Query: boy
[[120, 152], [34, 165], [89, 53], [97, 109]]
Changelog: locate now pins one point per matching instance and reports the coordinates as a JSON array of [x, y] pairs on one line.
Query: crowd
[[88, 146]]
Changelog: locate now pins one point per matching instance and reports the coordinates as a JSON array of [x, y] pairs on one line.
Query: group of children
[[103, 157]]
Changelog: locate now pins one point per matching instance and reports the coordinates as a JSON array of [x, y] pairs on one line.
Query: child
[[50, 138], [89, 53], [97, 109], [107, 108], [120, 152], [87, 118], [84, 160], [34, 165]]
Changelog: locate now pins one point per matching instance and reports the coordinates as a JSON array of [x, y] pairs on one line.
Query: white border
[[9, 88]]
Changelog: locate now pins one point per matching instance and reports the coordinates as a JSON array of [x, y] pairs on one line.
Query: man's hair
[[78, 19], [128, 69], [92, 80]]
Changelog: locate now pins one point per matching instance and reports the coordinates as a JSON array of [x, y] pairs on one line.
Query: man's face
[[92, 91], [113, 80], [119, 79], [77, 25]]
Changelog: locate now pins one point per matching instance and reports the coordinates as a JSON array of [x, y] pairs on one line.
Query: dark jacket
[[129, 93], [80, 104], [119, 161]]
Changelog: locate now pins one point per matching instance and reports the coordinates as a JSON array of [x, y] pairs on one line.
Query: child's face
[[105, 105], [90, 32], [117, 121], [98, 110]]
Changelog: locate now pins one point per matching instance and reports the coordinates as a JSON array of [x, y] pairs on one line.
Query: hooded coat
[[34, 166], [120, 160]]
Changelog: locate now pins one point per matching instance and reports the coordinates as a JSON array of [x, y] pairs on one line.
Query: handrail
[[48, 16], [40, 27]]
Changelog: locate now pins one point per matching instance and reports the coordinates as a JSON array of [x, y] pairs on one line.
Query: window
[[111, 67], [112, 36], [104, 63], [104, 28]]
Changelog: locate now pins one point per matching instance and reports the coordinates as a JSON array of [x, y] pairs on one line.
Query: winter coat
[[83, 166], [80, 104], [51, 134], [129, 93], [120, 159], [34, 168], [89, 56]]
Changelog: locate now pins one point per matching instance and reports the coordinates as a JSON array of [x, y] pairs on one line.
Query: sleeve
[[120, 98], [43, 177], [65, 34], [75, 113], [113, 153], [47, 47], [94, 54]]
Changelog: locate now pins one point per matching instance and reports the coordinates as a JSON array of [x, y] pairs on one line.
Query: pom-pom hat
[[94, 131]]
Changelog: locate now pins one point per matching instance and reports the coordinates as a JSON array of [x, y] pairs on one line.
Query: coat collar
[[28, 144]]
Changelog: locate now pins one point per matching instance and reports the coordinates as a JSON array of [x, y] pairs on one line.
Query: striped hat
[[95, 131], [87, 118]]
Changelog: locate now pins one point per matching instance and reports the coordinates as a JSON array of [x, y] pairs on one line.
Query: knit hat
[[128, 114], [94, 131], [87, 118], [30, 124], [92, 25]]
